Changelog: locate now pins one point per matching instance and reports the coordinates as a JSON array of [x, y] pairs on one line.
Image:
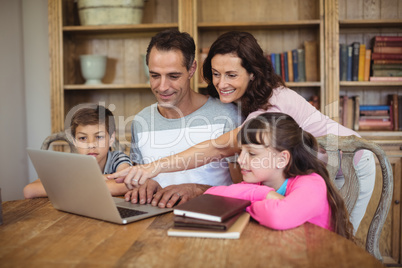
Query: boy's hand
[[134, 176]]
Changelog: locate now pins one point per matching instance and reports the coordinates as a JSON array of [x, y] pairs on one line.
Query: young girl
[[283, 178]]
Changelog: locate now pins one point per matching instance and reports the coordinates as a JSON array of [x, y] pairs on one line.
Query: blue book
[[350, 63], [273, 61], [285, 61], [343, 61], [295, 65], [374, 107]]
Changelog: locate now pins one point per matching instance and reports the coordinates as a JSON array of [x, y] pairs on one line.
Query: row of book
[[297, 65], [383, 62], [370, 117]]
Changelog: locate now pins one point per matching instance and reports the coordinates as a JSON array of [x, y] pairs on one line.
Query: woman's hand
[[135, 176]]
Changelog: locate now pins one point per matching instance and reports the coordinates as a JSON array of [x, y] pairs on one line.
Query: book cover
[[290, 66], [278, 64], [355, 61], [388, 44], [286, 66], [375, 125], [350, 63], [356, 109], [388, 38], [197, 224], [362, 59], [374, 108], [387, 62], [233, 232], [311, 60], [301, 56], [345, 110], [367, 64], [211, 207], [386, 56], [387, 66], [282, 56], [387, 72], [386, 79], [295, 65], [394, 50], [272, 56], [400, 113], [394, 110], [343, 62], [349, 113]]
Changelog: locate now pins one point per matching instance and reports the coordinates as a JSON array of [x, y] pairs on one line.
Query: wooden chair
[[347, 146]]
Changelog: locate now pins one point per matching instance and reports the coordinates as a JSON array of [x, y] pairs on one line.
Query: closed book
[[374, 108], [387, 66], [375, 125], [350, 64], [233, 232], [211, 207], [311, 60], [295, 65], [400, 112], [362, 59], [290, 66], [343, 62], [386, 79], [286, 66], [356, 109], [301, 56], [350, 113], [282, 56], [388, 44], [394, 110], [387, 38], [278, 64], [386, 56], [394, 50], [273, 61], [367, 64], [197, 224], [341, 110], [355, 61], [387, 72], [345, 110], [387, 62]]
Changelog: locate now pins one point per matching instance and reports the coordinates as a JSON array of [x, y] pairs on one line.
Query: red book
[[283, 67], [386, 56], [387, 62], [388, 38], [388, 43], [392, 50]]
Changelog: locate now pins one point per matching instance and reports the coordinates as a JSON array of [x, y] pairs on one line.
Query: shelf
[[370, 84], [289, 84], [369, 23], [106, 86], [120, 28], [258, 25]]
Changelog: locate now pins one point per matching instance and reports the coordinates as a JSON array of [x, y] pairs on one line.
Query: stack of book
[[375, 117], [297, 65], [387, 58], [354, 62], [210, 216]]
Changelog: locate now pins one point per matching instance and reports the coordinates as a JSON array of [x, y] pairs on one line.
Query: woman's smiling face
[[229, 77]]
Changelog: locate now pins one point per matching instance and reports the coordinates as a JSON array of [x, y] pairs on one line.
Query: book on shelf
[[367, 65], [311, 60], [273, 61], [392, 50], [286, 66], [386, 56], [387, 72], [356, 109], [399, 112], [394, 110], [290, 66], [355, 61], [343, 62], [234, 231], [278, 64], [301, 67], [203, 55], [349, 111], [391, 38], [375, 117], [387, 43], [282, 57], [375, 125], [211, 207], [387, 61], [295, 65], [362, 59], [386, 79], [377, 66], [350, 63]]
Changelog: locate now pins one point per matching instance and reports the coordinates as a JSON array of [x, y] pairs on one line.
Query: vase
[[106, 12], [93, 68]]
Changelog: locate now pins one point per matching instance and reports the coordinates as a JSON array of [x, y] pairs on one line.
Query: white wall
[[24, 90]]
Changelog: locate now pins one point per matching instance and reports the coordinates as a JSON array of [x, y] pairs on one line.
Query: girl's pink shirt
[[305, 201]]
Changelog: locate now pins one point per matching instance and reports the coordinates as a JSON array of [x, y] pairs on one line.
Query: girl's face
[[229, 77], [262, 164]]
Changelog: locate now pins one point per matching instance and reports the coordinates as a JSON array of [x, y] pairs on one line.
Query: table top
[[34, 234]]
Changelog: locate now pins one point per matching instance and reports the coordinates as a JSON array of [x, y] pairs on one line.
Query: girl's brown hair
[[284, 133]]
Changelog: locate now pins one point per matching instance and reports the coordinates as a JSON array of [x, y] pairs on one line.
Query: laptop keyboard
[[125, 212]]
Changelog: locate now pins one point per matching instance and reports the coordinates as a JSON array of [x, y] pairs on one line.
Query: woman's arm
[[196, 156]]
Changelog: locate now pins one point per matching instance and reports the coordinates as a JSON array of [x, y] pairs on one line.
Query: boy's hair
[[173, 39], [93, 115], [281, 132]]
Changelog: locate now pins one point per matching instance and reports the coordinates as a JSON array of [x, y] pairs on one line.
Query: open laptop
[[74, 183]]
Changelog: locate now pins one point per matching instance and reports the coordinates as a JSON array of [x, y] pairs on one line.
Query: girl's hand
[[274, 195]]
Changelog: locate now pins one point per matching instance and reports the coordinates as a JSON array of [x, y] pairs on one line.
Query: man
[[180, 119]]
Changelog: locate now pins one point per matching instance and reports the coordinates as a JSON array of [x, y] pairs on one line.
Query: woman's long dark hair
[[246, 47], [283, 133]]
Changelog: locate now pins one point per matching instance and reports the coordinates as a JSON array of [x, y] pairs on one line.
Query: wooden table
[[34, 234]]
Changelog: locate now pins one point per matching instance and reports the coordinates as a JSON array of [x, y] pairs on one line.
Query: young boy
[[93, 130]]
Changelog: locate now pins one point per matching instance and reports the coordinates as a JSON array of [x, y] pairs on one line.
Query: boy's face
[[93, 140]]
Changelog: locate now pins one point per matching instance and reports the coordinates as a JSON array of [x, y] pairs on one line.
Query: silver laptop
[[75, 184]]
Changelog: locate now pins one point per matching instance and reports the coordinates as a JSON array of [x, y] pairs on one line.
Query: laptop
[[74, 183]]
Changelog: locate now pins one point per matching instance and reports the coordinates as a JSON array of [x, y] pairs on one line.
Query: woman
[[237, 71]]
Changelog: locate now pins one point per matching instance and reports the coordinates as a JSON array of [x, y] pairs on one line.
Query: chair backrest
[[340, 151]]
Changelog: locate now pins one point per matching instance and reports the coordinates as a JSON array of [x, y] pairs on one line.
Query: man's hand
[[181, 193], [136, 175], [144, 193]]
